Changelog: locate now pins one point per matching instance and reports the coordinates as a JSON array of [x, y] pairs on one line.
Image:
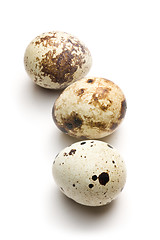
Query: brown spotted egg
[[90, 108], [56, 59], [90, 172]]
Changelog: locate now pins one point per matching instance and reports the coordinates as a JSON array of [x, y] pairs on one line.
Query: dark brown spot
[[72, 152], [103, 178], [62, 189], [82, 143], [94, 177], [60, 68], [65, 154], [113, 126], [123, 109], [73, 185], [68, 125], [109, 145], [80, 92], [113, 162], [91, 185], [90, 81], [73, 121]]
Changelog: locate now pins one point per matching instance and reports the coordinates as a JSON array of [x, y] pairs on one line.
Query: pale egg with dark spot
[[90, 172], [56, 59], [90, 108]]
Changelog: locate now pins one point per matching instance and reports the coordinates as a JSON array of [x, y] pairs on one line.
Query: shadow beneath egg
[[64, 140], [61, 140], [80, 217], [87, 210], [44, 92], [112, 138], [32, 94]]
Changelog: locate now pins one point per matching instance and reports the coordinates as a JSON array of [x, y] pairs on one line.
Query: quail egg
[[90, 108], [56, 59], [90, 172]]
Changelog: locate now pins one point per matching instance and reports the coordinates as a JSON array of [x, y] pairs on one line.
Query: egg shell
[[56, 59], [90, 108], [90, 172]]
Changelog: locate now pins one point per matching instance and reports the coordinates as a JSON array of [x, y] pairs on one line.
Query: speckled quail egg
[[90, 172], [90, 108], [56, 59]]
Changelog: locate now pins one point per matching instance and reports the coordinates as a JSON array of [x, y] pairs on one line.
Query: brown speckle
[[99, 125], [101, 94], [72, 152], [80, 92], [91, 185], [82, 143], [90, 81], [46, 40]]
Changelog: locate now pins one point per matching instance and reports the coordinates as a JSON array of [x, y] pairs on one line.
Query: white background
[[124, 39]]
